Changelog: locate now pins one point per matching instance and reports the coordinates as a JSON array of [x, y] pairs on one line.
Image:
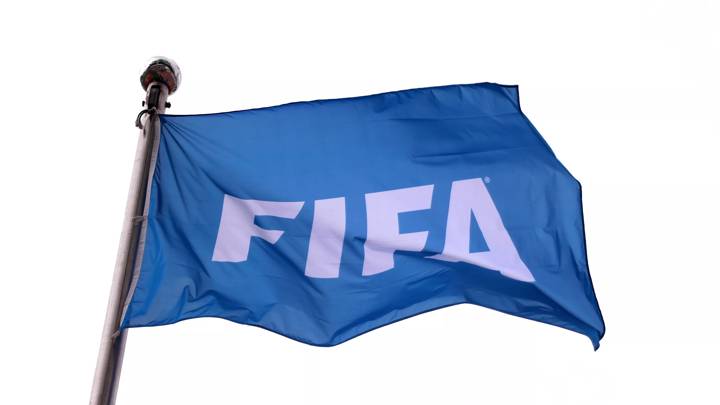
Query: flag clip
[[149, 111]]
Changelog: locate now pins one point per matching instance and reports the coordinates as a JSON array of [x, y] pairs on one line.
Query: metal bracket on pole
[[160, 78]]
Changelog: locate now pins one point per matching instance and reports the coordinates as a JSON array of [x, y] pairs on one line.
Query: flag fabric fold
[[324, 220]]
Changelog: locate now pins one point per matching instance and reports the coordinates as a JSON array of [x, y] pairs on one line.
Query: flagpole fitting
[[161, 70], [160, 78]]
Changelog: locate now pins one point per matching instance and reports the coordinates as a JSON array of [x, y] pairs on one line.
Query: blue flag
[[324, 220]]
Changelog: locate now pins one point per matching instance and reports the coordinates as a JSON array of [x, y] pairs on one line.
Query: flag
[[324, 220]]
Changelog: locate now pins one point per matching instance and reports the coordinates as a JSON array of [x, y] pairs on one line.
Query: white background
[[625, 92]]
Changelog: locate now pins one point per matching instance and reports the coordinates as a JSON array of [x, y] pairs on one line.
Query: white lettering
[[326, 239], [383, 229], [468, 198], [237, 226]]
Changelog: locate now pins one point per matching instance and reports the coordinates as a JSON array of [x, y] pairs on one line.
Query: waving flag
[[324, 220]]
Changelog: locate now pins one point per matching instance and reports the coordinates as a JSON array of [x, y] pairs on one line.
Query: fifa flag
[[323, 220]]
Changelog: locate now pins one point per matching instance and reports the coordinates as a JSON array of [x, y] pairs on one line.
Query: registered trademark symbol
[[486, 179]]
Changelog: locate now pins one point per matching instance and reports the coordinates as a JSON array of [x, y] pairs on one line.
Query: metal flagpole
[[160, 78]]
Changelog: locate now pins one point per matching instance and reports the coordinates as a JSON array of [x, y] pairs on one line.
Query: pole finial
[[163, 70]]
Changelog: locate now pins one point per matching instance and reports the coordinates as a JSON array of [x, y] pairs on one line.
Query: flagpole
[[160, 79]]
